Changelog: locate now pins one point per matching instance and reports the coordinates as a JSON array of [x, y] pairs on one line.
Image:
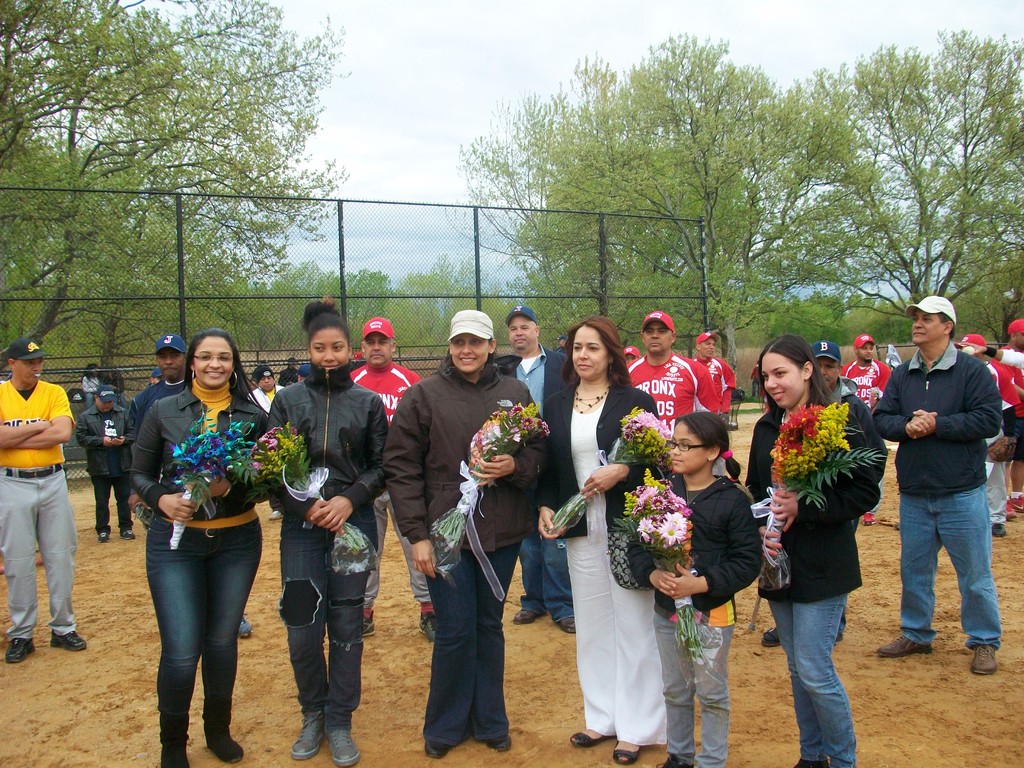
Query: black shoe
[[72, 641], [811, 764], [19, 648], [103, 536], [503, 744], [675, 762], [428, 626], [770, 639], [998, 530], [433, 749], [128, 534]]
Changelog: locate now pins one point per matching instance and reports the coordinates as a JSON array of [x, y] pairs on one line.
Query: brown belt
[[224, 522]]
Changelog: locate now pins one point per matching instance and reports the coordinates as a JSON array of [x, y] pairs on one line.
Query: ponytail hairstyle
[[712, 433], [323, 314]]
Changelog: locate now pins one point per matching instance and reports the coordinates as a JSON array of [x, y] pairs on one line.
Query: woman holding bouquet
[[615, 642], [725, 555], [200, 588], [429, 438], [822, 550], [344, 427]]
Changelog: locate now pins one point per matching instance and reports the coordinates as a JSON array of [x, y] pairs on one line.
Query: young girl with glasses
[[726, 558]]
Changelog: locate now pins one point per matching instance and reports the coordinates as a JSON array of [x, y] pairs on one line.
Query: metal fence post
[[179, 229], [476, 258], [602, 269], [704, 272], [341, 260]]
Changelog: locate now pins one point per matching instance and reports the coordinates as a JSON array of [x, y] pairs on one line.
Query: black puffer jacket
[[345, 427], [166, 424], [726, 548]]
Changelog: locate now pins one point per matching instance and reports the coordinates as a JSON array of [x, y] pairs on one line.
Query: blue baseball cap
[[106, 394], [170, 341], [305, 370], [827, 349], [520, 309]]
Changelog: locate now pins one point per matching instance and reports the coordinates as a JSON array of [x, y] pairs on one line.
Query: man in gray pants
[[35, 421]]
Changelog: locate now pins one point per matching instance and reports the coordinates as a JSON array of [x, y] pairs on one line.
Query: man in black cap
[[35, 422], [101, 431], [290, 374]]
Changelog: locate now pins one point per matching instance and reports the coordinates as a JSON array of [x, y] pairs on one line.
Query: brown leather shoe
[[903, 646], [567, 624], [526, 617], [984, 662]]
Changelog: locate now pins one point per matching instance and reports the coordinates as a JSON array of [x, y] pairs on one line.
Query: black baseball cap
[[24, 349]]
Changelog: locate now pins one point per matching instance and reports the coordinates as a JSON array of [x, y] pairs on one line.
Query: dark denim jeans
[[122, 487], [199, 592], [545, 569], [467, 673], [315, 599]]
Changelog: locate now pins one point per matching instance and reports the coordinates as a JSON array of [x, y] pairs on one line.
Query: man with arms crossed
[[35, 421]]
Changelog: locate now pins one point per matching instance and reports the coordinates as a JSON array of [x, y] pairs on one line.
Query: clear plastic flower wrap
[[352, 552]]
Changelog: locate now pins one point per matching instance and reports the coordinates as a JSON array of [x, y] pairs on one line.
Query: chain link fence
[[99, 275]]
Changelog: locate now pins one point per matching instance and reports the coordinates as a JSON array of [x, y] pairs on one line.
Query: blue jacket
[[962, 392]]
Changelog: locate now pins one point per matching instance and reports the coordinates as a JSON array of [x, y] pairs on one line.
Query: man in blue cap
[[544, 562], [170, 359]]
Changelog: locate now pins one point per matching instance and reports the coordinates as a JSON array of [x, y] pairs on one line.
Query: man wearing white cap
[[390, 381], [941, 406], [678, 385], [723, 379], [868, 373]]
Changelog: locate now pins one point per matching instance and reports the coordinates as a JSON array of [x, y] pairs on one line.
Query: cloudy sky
[[420, 79]]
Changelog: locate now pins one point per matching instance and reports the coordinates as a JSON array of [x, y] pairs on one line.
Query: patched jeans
[[315, 600], [199, 593], [960, 523]]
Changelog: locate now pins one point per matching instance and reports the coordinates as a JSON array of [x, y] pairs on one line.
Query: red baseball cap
[[705, 336], [664, 317], [1017, 326], [973, 339], [632, 351], [861, 340], [379, 325]]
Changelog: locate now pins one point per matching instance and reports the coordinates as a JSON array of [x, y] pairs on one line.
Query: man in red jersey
[[391, 382], [723, 379], [677, 384], [870, 375], [1015, 504]]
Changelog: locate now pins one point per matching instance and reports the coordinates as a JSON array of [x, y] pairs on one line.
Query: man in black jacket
[[101, 431], [545, 568], [941, 406]]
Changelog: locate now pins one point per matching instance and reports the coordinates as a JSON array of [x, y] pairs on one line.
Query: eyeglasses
[[206, 357], [684, 447]]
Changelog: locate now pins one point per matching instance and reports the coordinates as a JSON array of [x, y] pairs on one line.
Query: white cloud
[[425, 78]]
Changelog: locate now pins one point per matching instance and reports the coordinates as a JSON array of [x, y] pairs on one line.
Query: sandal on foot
[[626, 756], [585, 740]]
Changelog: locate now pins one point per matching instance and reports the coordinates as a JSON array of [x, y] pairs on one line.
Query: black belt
[[31, 474]]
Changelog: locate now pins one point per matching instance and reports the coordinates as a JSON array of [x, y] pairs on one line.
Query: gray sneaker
[[311, 737], [343, 750]]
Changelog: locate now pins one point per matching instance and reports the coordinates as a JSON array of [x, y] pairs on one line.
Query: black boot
[[173, 740], [216, 719]]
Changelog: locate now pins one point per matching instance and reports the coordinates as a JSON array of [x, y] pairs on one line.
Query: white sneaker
[[275, 514]]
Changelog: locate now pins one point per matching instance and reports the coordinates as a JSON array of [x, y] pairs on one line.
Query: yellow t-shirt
[[47, 401]]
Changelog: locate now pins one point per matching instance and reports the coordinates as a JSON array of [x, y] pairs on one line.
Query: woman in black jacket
[[822, 553], [345, 427], [199, 589], [615, 642], [726, 555]]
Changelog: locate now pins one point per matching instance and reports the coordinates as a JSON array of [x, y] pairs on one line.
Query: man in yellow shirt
[[35, 422]]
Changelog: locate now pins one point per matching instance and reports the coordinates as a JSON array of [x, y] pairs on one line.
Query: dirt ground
[[98, 708]]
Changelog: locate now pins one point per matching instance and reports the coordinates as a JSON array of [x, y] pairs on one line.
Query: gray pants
[[38, 510], [995, 486], [417, 581]]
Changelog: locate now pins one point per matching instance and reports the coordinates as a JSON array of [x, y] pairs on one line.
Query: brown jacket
[[430, 435]]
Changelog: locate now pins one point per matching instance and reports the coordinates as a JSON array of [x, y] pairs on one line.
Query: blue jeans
[[807, 632], [709, 682], [467, 671], [315, 599], [199, 592], [545, 576], [960, 523]]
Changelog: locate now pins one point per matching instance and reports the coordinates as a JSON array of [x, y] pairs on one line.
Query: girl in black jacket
[[726, 554], [345, 427], [822, 553]]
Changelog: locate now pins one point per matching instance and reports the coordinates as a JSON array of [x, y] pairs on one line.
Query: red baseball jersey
[[876, 374], [679, 386], [390, 384], [723, 381]]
